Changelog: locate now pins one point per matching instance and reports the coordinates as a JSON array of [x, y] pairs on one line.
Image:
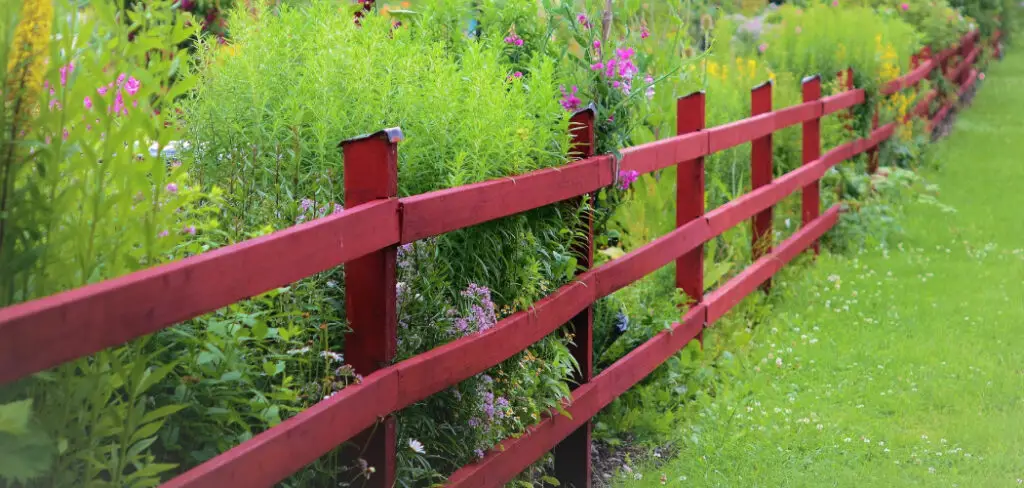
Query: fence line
[[46, 332]]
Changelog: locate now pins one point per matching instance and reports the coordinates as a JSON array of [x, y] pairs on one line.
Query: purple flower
[[479, 453], [120, 79], [306, 204], [626, 178], [517, 74], [644, 33], [163, 233], [597, 44], [487, 379], [649, 93], [570, 102], [119, 107], [102, 90], [338, 208], [87, 102], [190, 230], [133, 85], [172, 188], [474, 422], [583, 20]]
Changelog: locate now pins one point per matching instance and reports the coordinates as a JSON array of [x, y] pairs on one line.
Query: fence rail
[[49, 331]]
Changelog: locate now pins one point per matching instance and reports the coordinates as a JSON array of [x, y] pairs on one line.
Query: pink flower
[[798, 29], [133, 85], [649, 93], [981, 76], [119, 107], [598, 66], [87, 102], [66, 134], [835, 3], [517, 74], [102, 90], [513, 39], [644, 33], [172, 188], [65, 71], [763, 47], [627, 178], [570, 101], [582, 19], [597, 44], [904, 7], [120, 79], [163, 233]]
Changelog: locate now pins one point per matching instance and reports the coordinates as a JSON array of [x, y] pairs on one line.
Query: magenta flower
[[102, 90], [627, 178], [172, 188], [119, 104], [65, 71], [835, 3], [163, 233], [598, 66], [132, 86], [904, 7], [513, 39], [570, 102], [517, 74], [87, 102], [120, 79], [644, 33], [763, 47], [597, 44], [583, 20]]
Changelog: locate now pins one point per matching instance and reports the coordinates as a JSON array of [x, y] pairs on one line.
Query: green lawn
[[897, 366]]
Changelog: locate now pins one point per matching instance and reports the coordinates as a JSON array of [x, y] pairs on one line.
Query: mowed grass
[[901, 365]]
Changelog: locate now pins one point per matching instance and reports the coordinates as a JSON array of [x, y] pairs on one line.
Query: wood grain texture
[[43, 333]]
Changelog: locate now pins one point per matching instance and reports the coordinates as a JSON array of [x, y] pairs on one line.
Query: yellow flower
[[712, 69], [26, 66], [752, 67]]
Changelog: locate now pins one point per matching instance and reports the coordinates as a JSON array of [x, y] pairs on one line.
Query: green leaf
[[146, 431], [14, 416], [23, 458], [162, 412]]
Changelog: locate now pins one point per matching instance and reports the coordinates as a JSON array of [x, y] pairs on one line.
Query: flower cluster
[[627, 178], [512, 38], [481, 314], [619, 69], [570, 102], [309, 211]]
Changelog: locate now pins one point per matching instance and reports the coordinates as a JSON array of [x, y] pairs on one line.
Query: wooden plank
[[690, 118], [735, 133], [723, 299], [839, 154], [650, 157], [640, 262], [371, 173], [972, 77], [917, 74], [761, 231], [797, 114], [43, 333], [941, 115], [277, 453], [810, 199], [749, 204], [513, 455], [572, 455], [433, 371], [841, 101], [437, 212]]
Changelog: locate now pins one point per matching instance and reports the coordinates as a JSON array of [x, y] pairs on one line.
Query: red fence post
[[572, 455], [371, 173], [690, 117], [761, 174], [811, 133]]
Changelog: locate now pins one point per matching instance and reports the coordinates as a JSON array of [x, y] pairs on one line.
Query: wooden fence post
[[761, 238], [572, 454], [371, 173], [810, 205], [690, 117]]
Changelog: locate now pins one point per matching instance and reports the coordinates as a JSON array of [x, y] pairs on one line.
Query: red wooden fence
[[46, 332]]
